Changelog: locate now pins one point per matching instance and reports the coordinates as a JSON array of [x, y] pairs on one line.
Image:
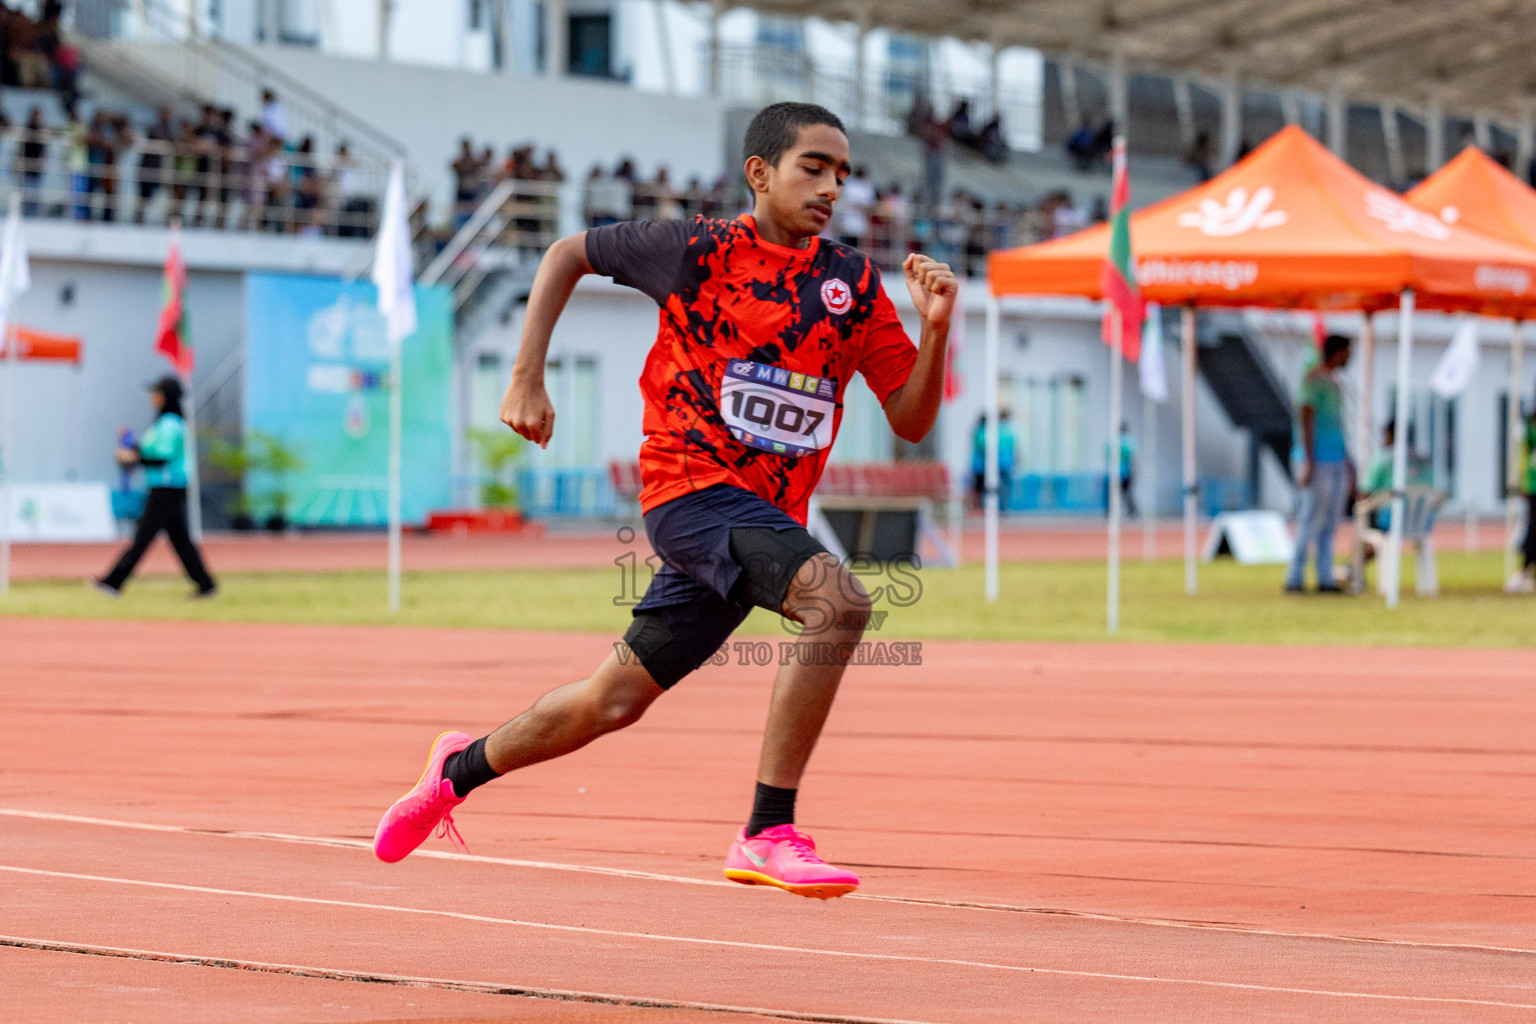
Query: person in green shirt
[[1323, 471], [1127, 447], [162, 451]]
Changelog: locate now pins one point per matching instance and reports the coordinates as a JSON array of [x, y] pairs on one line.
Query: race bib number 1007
[[771, 408]]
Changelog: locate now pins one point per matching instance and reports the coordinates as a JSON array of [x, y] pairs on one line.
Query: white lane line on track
[[448, 984], [651, 876], [764, 946]]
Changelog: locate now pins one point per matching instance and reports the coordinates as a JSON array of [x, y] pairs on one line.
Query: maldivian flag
[[171, 340], [1117, 279]]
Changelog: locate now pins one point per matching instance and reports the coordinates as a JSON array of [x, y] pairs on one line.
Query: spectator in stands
[[607, 199], [1081, 144], [33, 70], [153, 158], [960, 124], [1323, 469], [978, 237], [467, 171], [107, 136], [695, 198], [308, 190], [64, 59], [354, 209], [276, 185], [854, 207], [183, 167], [1199, 156], [991, 143], [252, 181], [934, 134], [274, 119], [31, 161], [209, 145], [551, 171]]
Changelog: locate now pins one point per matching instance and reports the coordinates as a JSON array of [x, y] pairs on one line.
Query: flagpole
[[9, 443], [394, 477], [1393, 564], [1116, 384], [194, 478], [991, 508], [1187, 403], [12, 354], [1149, 473]]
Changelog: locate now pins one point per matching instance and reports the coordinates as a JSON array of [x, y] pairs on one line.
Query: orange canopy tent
[[1476, 192], [1290, 226]]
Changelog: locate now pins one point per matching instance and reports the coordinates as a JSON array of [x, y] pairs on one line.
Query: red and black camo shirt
[[754, 348]]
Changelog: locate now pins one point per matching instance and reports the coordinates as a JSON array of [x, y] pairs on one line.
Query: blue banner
[[316, 379]]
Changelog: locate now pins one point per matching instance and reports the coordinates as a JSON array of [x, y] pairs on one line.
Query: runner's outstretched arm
[[912, 408], [526, 407]]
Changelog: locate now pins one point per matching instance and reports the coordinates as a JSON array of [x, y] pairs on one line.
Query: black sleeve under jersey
[[643, 254]]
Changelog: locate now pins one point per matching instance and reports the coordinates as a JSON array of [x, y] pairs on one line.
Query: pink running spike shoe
[[785, 858], [411, 819]]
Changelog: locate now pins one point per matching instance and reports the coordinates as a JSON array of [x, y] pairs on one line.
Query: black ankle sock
[[468, 769], [771, 806]]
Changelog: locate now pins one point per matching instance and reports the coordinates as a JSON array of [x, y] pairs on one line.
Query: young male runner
[[762, 324]]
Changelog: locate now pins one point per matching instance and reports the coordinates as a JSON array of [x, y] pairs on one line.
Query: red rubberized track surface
[[1052, 833]]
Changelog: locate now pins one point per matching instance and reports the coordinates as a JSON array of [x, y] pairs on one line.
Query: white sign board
[[61, 512], [1252, 538]]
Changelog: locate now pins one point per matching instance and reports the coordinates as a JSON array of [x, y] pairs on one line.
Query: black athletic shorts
[[724, 550]]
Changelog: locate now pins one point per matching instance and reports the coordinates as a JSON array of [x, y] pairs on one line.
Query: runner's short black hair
[[1335, 343], [774, 128]]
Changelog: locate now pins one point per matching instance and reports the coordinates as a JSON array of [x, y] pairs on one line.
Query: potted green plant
[[233, 458], [501, 453], [272, 456]]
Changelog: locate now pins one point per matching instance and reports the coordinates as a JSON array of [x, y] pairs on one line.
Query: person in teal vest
[[1323, 470], [162, 451], [1005, 447]]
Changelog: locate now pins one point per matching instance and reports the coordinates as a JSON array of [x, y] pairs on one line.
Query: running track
[[1051, 833]]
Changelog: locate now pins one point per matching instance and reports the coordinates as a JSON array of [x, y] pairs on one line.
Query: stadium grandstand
[[981, 128]]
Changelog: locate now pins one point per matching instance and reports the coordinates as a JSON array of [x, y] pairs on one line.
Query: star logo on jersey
[[836, 296]]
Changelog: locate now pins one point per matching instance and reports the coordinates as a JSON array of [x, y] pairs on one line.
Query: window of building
[[591, 37]]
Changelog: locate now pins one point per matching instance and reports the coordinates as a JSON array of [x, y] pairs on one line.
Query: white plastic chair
[[1419, 507]]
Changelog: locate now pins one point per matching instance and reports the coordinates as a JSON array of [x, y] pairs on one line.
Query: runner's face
[[800, 193]]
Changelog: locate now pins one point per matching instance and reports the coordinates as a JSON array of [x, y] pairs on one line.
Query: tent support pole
[[993, 359], [1400, 449], [1365, 442], [1187, 403], [1512, 460]]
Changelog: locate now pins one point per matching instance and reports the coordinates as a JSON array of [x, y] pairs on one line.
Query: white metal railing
[[511, 227], [106, 172], [758, 75]]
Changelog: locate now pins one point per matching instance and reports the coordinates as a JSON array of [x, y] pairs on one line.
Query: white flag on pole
[[397, 302], [1454, 371], [15, 273], [1150, 367], [392, 262]]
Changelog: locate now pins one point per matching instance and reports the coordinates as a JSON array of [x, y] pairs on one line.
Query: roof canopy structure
[[1475, 191], [1290, 226], [1475, 53]]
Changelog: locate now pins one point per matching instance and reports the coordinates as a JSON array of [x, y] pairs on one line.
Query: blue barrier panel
[[584, 491], [1058, 492]]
